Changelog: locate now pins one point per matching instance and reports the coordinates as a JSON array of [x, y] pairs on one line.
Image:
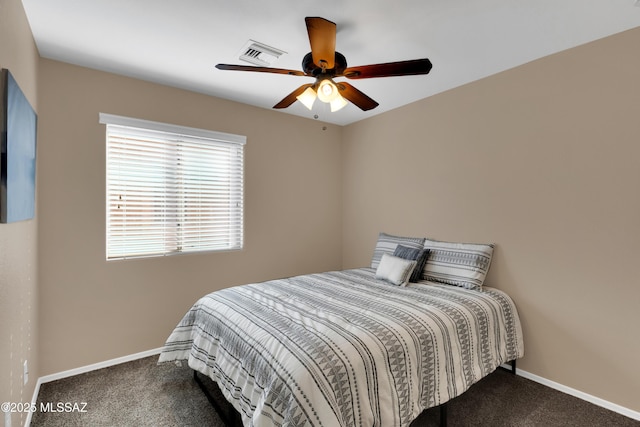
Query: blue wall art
[[18, 123]]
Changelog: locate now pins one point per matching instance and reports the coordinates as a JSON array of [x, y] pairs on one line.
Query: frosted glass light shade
[[327, 91], [338, 103], [307, 97]]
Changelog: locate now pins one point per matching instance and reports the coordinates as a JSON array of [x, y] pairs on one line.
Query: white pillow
[[395, 269]]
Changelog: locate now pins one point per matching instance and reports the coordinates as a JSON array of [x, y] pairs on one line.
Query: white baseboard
[[85, 369], [99, 365], [577, 393]]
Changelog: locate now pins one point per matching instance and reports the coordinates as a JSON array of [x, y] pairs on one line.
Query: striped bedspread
[[344, 349]]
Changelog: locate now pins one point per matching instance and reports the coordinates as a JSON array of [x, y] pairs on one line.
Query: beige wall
[[92, 310], [544, 161], [18, 241]]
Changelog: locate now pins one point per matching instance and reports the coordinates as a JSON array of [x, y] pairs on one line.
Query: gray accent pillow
[[459, 264], [418, 255], [387, 243]]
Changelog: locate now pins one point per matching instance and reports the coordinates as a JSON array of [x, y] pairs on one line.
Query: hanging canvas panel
[[18, 122]]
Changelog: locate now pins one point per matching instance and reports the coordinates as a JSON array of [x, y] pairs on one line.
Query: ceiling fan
[[324, 64]]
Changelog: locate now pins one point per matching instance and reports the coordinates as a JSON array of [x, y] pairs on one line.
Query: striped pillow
[[388, 243], [459, 264], [419, 255]]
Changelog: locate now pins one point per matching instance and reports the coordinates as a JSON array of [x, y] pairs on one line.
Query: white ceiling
[[179, 42]]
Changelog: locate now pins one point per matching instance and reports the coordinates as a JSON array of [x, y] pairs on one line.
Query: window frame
[[189, 135]]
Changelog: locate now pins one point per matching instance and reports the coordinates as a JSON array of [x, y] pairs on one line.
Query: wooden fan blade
[[259, 69], [358, 98], [322, 38], [291, 98], [389, 69]]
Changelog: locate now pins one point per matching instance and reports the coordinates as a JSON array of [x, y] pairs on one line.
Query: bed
[[349, 348]]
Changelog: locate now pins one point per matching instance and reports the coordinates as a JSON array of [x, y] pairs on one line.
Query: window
[[171, 189]]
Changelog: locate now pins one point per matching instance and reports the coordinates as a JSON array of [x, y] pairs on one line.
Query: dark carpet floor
[[143, 393]]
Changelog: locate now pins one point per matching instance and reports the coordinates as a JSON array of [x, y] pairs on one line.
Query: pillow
[[418, 255], [388, 243], [459, 264], [395, 270]]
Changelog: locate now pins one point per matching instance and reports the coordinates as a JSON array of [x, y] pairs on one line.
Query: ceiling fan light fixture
[[338, 103], [327, 91], [307, 97], [324, 64]]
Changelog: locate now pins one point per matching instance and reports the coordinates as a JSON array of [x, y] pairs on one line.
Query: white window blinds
[[171, 189]]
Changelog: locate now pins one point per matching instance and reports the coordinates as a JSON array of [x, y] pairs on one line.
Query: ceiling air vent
[[259, 54]]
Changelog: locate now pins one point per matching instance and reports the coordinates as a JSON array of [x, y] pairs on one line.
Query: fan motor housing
[[312, 69]]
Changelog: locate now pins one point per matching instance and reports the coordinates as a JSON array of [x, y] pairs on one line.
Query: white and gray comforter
[[344, 349]]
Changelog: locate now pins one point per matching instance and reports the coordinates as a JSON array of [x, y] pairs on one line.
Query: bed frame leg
[[443, 415], [513, 367], [225, 420]]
